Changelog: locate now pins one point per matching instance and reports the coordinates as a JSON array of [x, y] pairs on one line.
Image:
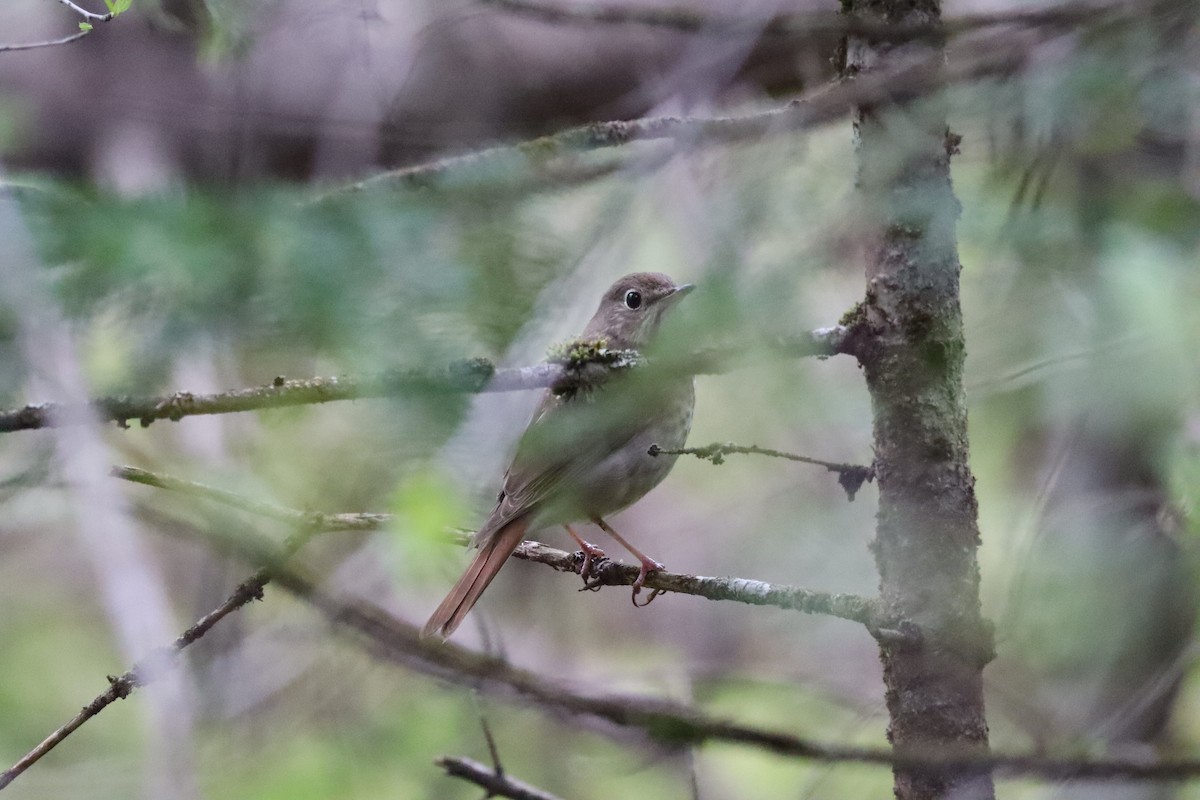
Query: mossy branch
[[578, 367]]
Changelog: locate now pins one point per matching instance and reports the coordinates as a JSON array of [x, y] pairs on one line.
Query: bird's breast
[[629, 472]]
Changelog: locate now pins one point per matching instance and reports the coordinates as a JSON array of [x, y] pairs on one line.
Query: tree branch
[[467, 375], [74, 37], [896, 84], [494, 781], [88, 15], [850, 476], [666, 722], [605, 571], [147, 670], [85, 28], [308, 520], [803, 26], [676, 725]]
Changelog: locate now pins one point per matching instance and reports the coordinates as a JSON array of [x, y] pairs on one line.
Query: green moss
[[855, 315], [576, 353]]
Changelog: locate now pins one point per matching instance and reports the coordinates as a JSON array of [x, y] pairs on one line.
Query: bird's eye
[[633, 299]]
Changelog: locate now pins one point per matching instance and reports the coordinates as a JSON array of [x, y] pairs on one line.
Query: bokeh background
[[160, 235]]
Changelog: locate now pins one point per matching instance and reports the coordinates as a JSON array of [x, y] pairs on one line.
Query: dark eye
[[633, 299]]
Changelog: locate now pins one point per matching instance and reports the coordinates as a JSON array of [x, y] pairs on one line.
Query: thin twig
[[468, 375], [314, 520], [850, 476], [12, 48], [159, 662], [495, 782], [148, 669], [493, 748], [84, 29], [87, 15]]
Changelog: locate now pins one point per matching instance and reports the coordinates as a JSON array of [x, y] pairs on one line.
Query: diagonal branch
[[896, 84], [150, 668], [804, 26], [467, 375], [494, 781]]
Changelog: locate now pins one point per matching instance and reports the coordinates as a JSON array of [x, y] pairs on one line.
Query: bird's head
[[633, 308]]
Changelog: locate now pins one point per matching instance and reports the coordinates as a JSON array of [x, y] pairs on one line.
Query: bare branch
[[850, 476], [897, 84], [87, 15], [145, 672], [494, 781], [468, 375], [74, 37], [311, 520], [803, 26], [159, 662]]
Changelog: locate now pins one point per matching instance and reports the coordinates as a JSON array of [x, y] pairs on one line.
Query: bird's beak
[[679, 291]]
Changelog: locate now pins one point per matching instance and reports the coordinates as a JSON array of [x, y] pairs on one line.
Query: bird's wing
[[567, 439]]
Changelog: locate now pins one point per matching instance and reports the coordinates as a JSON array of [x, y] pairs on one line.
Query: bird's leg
[[648, 564], [590, 553]]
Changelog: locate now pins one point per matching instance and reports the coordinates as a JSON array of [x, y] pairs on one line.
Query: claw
[[648, 566], [653, 594], [590, 554]]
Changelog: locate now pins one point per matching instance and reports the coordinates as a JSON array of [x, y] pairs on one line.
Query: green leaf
[[111, 4], [86, 27], [120, 6]]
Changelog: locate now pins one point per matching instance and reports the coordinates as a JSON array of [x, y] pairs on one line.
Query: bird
[[586, 454]]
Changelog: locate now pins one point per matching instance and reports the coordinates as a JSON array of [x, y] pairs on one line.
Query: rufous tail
[[470, 586]]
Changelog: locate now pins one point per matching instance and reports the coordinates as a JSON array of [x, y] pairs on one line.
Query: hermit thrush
[[586, 455]]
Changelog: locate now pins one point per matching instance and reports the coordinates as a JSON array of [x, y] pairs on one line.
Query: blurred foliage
[[1079, 240]]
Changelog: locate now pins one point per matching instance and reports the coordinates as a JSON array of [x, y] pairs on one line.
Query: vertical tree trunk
[[912, 352]]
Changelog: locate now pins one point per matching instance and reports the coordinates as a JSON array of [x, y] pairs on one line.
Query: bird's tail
[[470, 586]]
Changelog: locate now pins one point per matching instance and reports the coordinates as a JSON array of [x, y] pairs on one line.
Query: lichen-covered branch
[[850, 476], [606, 572], [804, 26], [829, 103], [467, 375]]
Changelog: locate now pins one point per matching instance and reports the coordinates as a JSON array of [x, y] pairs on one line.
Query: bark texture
[[912, 351]]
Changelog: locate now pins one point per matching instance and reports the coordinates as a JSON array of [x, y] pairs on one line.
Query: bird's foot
[[590, 555], [648, 566]]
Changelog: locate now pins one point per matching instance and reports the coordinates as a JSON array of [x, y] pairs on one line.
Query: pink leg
[[590, 553], [648, 564]]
